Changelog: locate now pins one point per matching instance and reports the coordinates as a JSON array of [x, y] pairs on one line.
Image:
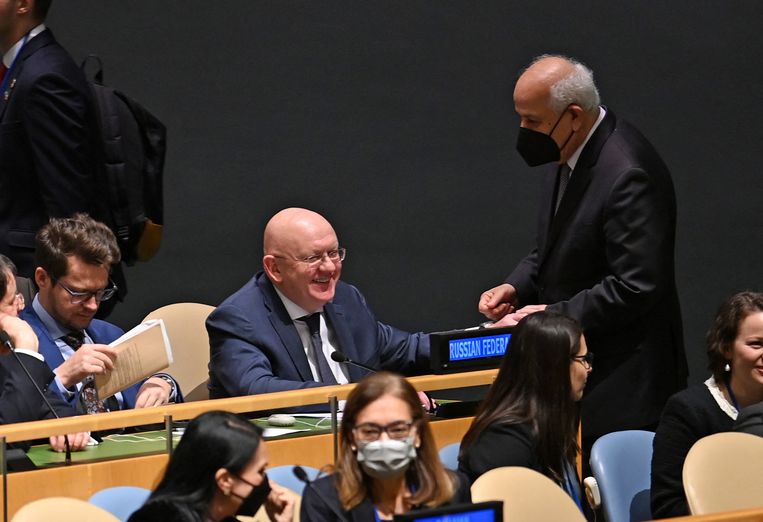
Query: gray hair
[[577, 87]]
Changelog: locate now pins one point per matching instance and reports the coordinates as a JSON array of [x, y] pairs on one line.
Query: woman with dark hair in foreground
[[735, 358], [388, 462], [530, 415], [216, 472]]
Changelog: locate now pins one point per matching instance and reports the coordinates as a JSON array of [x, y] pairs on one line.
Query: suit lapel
[[338, 323], [579, 181], [47, 348], [284, 327], [33, 45]]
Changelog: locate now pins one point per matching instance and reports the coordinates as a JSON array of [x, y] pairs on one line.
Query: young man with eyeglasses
[[74, 258], [279, 330]]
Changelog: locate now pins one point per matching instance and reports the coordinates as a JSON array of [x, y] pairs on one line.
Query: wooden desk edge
[[267, 401]]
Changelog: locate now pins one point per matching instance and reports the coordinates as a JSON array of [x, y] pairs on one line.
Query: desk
[[82, 480]]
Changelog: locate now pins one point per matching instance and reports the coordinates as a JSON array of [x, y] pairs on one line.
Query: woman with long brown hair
[[388, 462]]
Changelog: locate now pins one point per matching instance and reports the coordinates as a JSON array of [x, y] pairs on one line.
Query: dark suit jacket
[[99, 331], [320, 502], [607, 260], [255, 348], [19, 400], [750, 420], [47, 146]]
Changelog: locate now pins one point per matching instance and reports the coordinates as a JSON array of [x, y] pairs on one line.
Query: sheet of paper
[[141, 352]]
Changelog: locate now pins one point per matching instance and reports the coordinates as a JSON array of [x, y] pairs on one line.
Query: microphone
[[342, 358], [301, 474], [5, 339]]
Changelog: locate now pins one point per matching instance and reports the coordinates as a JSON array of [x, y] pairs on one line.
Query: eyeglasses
[[586, 360], [335, 256], [103, 294], [369, 431]]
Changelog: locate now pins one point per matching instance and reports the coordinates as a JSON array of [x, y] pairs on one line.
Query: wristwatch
[[173, 388]]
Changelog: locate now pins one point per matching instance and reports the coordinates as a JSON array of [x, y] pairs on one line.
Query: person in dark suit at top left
[[278, 331], [48, 147]]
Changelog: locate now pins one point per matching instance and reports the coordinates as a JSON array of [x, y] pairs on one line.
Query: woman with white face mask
[[388, 462]]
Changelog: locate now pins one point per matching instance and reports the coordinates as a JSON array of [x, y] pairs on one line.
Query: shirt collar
[[55, 329], [293, 309], [573, 161], [13, 51]]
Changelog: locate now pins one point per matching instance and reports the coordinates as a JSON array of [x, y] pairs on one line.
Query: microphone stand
[[6, 341]]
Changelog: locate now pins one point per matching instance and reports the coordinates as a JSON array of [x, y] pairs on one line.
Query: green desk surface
[[154, 442]]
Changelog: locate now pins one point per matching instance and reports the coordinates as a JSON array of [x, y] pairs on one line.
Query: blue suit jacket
[[99, 331], [255, 348]]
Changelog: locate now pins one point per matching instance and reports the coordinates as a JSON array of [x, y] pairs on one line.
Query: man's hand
[[77, 441], [513, 318], [154, 392], [498, 301], [280, 504], [426, 402], [89, 359], [20, 332]]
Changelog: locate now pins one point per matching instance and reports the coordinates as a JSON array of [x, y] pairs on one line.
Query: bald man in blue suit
[[260, 339]]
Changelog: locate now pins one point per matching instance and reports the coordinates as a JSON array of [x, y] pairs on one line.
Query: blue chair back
[[120, 501], [284, 476], [449, 455], [622, 465]]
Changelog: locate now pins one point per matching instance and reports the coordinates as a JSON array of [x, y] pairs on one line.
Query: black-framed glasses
[[103, 294], [586, 360], [337, 255], [370, 431]]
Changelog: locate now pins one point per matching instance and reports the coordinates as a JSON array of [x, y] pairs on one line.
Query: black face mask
[[537, 148], [256, 498]]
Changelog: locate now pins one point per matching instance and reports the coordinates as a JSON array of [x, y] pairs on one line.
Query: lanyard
[[9, 72], [570, 487]]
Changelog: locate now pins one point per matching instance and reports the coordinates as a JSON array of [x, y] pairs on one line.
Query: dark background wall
[[394, 119]]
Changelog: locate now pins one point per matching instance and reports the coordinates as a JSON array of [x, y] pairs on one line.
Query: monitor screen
[[464, 350], [480, 512]]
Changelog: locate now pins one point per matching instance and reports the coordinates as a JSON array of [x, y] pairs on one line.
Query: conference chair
[[284, 476], [449, 455], [120, 501], [527, 495], [724, 472], [190, 346], [622, 470], [62, 509]]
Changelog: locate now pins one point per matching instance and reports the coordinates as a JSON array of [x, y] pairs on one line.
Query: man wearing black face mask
[[605, 246]]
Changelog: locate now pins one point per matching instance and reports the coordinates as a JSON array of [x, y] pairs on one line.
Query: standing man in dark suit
[[48, 147], [278, 331], [605, 246]]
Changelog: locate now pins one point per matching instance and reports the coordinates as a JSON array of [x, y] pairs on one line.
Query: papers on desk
[[277, 432], [141, 352]]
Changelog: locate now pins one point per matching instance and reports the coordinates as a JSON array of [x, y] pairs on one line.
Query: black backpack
[[134, 145]]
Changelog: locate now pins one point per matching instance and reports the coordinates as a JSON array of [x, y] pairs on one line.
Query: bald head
[[291, 237], [290, 226]]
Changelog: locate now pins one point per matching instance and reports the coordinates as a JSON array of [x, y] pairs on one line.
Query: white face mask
[[384, 459]]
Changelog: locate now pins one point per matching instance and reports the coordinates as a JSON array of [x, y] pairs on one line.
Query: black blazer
[[19, 401], [750, 420], [320, 502], [607, 260], [48, 152]]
